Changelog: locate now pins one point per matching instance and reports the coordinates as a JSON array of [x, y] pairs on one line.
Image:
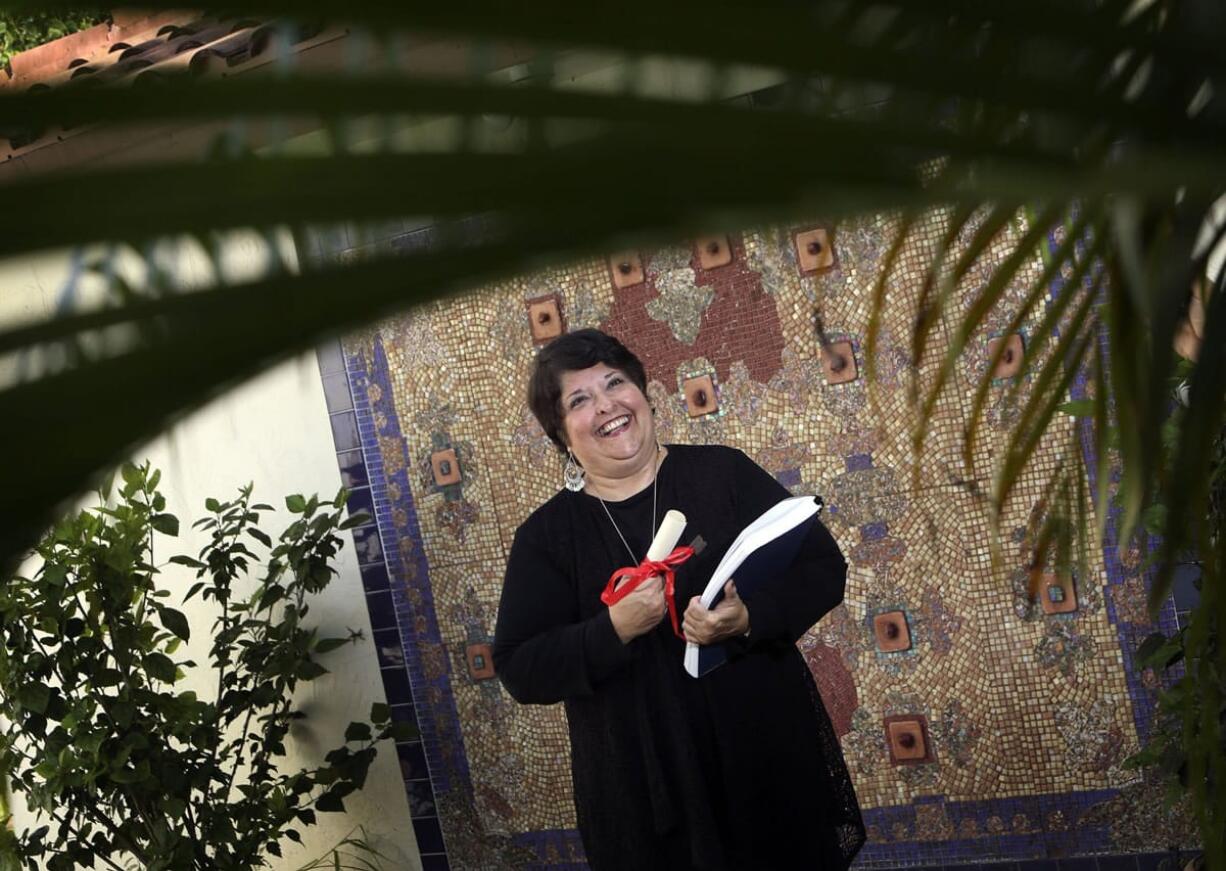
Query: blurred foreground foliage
[[1097, 125]]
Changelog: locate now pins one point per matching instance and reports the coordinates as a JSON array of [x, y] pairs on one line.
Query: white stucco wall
[[273, 431]]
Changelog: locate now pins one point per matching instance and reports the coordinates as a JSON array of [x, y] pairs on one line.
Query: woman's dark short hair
[[572, 352]]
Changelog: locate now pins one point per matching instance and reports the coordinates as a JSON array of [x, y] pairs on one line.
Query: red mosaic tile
[[741, 323], [446, 467], [835, 684]]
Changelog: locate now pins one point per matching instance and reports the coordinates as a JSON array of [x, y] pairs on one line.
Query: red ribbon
[[632, 576]]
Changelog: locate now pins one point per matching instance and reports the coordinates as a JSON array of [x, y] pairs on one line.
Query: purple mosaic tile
[[874, 531], [789, 477]]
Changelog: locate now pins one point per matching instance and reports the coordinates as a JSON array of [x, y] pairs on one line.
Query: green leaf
[[358, 732], [131, 475], [212, 505], [34, 697], [167, 524], [327, 645], [123, 712], [1150, 645], [173, 807], [330, 802], [55, 574], [159, 666], [310, 670], [380, 713], [359, 519], [175, 621], [182, 560], [1078, 408], [296, 503], [261, 537]]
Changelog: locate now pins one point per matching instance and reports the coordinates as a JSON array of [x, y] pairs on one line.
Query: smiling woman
[[739, 769]]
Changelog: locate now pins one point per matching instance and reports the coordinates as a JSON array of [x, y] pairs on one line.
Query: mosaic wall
[[977, 724]]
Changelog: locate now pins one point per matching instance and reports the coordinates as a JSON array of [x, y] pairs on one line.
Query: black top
[[739, 769]]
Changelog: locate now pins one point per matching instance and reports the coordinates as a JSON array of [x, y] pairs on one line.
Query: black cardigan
[[739, 769]]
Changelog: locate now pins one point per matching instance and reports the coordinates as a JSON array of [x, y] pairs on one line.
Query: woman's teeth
[[615, 424]]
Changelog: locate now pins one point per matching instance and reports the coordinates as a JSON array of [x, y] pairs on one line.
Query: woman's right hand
[[639, 612]]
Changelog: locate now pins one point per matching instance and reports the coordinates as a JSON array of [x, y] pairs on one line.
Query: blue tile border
[[360, 462]]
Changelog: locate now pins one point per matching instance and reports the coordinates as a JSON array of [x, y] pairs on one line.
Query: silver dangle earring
[[573, 474]]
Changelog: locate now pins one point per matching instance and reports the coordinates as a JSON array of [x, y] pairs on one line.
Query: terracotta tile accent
[[700, 396], [446, 467], [890, 630], [1011, 361], [626, 268], [907, 739], [713, 251], [480, 659], [1058, 594], [545, 318], [814, 251], [839, 363]]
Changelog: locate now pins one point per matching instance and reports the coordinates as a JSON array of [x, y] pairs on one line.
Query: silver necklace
[[654, 480]]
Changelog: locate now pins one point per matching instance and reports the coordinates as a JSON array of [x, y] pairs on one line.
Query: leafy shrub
[[124, 764]]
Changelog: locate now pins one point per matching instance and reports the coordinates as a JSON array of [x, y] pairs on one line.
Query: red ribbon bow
[[631, 577]]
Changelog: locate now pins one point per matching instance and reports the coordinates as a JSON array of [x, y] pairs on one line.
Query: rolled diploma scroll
[[667, 536]]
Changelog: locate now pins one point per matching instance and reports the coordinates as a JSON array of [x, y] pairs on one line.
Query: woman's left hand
[[727, 619]]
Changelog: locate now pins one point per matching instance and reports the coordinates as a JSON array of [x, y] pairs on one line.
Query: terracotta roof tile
[[141, 48]]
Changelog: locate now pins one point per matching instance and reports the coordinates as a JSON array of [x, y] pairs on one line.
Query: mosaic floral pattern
[[1094, 740], [957, 733], [1064, 649], [866, 496]]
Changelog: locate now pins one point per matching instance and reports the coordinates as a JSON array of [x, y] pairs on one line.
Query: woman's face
[[606, 419]]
